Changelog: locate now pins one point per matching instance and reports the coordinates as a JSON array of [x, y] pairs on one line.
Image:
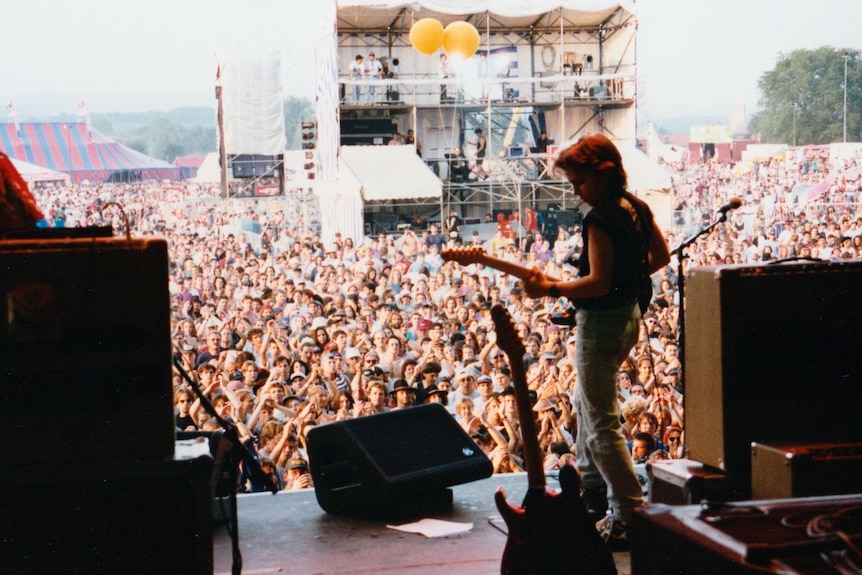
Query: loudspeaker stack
[[771, 356]]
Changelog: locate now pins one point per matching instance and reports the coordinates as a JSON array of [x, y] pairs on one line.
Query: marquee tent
[[80, 152], [188, 165]]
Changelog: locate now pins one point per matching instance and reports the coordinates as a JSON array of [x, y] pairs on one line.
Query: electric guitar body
[[550, 532]]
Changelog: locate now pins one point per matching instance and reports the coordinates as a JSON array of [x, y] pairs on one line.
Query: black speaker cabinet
[[85, 350], [771, 356], [394, 464], [130, 516]]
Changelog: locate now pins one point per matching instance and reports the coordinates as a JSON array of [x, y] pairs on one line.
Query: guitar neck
[[533, 460], [504, 266]]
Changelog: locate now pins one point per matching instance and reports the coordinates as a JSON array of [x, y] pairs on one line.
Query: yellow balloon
[[460, 39], [426, 35]]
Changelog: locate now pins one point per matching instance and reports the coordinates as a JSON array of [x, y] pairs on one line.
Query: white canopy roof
[[32, 173], [391, 173], [396, 15]]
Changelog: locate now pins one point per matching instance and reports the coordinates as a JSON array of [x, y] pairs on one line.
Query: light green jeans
[[604, 339]]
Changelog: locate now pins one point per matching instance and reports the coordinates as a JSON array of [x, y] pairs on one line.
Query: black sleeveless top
[[628, 221]]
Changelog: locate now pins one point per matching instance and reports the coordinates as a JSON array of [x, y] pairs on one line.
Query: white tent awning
[[364, 15], [391, 173], [31, 173], [649, 181], [643, 173]]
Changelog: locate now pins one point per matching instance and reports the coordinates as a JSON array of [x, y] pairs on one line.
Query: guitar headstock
[[464, 256], [507, 336]]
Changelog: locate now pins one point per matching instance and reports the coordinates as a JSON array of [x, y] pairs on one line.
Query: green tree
[[138, 144], [809, 84], [296, 111]]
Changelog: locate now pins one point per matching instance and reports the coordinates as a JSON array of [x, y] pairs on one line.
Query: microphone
[[732, 204]]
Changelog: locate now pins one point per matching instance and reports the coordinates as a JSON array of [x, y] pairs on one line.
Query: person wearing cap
[[571, 346], [484, 391], [297, 383], [331, 375], [352, 357], [296, 475], [465, 388], [673, 377]]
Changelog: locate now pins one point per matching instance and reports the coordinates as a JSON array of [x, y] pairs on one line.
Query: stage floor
[[289, 533]]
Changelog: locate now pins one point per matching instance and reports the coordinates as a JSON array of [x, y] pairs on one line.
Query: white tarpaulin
[[253, 102], [391, 173], [340, 208], [643, 173]]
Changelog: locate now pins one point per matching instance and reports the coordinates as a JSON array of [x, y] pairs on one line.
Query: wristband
[[554, 291]]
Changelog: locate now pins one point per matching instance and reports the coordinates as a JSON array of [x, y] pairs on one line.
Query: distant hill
[[130, 122]]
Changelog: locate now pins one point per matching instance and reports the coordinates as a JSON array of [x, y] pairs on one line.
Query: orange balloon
[[426, 35], [460, 39]]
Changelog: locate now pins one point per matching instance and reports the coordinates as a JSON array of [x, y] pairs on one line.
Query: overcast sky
[[698, 56]]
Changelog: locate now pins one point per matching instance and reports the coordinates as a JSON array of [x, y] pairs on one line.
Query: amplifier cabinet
[[749, 537], [782, 471], [771, 355], [685, 482], [85, 350]]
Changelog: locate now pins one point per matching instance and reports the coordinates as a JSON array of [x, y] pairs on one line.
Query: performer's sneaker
[[614, 532]]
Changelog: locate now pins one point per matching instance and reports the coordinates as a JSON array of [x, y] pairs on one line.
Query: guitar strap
[[644, 226]]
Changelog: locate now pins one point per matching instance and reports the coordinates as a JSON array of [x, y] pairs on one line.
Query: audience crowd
[[288, 331]]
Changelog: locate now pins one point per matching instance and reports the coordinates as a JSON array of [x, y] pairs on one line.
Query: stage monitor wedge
[[397, 464]]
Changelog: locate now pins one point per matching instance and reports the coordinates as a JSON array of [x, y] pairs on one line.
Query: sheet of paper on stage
[[433, 527]]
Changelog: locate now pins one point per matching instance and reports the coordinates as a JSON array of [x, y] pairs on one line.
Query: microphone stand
[[232, 436], [679, 251]]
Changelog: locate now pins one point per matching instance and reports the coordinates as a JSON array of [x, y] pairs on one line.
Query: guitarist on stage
[[622, 246]]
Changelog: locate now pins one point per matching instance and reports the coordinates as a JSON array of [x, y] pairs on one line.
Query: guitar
[[476, 255], [550, 532]]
